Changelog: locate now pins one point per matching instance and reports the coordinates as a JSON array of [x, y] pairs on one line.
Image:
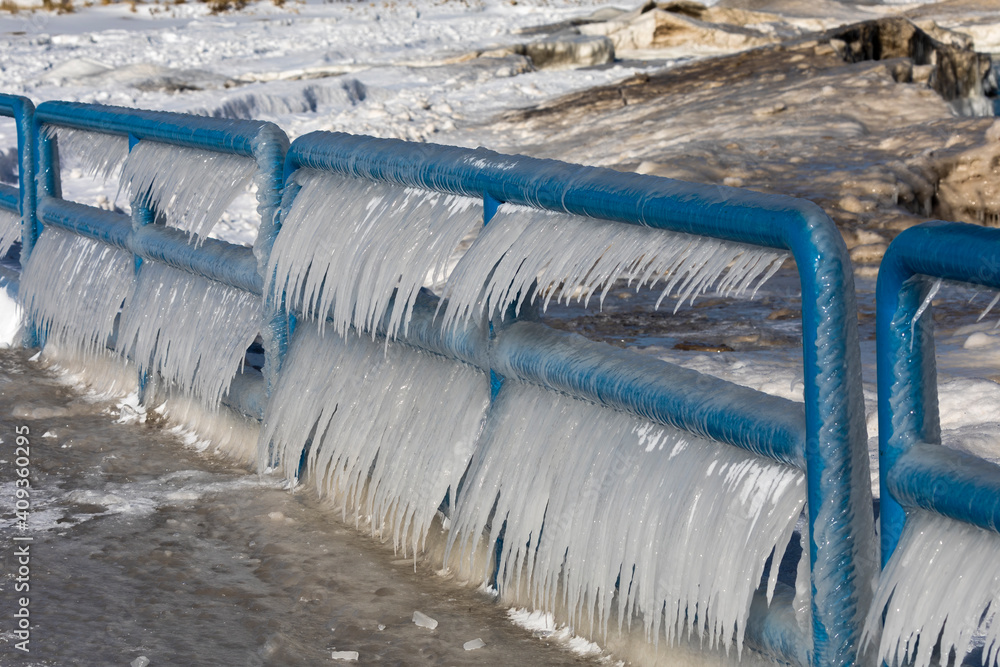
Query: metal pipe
[[216, 260], [907, 376], [653, 389], [952, 483]]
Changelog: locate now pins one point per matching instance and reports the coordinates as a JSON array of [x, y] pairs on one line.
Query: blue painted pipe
[[949, 482], [841, 546], [907, 375], [22, 111], [212, 134], [653, 389], [216, 260]]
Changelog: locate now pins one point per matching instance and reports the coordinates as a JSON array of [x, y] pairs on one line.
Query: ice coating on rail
[[10, 230], [97, 153], [191, 187], [394, 427], [350, 244], [574, 257], [925, 596], [73, 287], [585, 495], [194, 332]]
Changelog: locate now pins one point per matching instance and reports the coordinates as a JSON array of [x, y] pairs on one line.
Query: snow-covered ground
[[455, 72]]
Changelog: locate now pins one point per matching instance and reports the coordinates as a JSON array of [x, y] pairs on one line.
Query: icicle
[[943, 581], [10, 230], [97, 153], [350, 243], [192, 331], [391, 427], [73, 288], [985, 312], [923, 306], [586, 496], [190, 187], [572, 257]]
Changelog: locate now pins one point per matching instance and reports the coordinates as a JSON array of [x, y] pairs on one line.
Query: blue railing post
[[907, 377], [22, 111]]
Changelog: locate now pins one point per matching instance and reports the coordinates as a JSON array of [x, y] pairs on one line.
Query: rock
[[657, 29], [952, 69], [570, 50]]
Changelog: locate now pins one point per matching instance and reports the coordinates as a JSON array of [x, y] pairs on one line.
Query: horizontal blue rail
[[835, 445], [915, 471], [216, 260]]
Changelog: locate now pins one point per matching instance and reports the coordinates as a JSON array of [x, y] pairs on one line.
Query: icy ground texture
[[73, 288], [553, 476], [525, 251], [384, 429], [192, 331], [943, 581], [350, 244]]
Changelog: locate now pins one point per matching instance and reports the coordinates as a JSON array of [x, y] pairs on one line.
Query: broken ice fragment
[[424, 621], [473, 644], [349, 656]]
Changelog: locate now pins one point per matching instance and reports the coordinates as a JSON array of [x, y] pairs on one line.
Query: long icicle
[[385, 429], [585, 497], [73, 288], [190, 187], [192, 331], [929, 603], [570, 257], [350, 244]]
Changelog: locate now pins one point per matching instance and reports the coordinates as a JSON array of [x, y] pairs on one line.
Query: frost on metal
[[10, 230], [190, 187], [193, 331], [391, 428], [96, 153], [525, 252], [928, 603], [352, 244], [73, 288], [610, 514]]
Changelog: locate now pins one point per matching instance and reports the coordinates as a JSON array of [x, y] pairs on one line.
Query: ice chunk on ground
[[424, 621]]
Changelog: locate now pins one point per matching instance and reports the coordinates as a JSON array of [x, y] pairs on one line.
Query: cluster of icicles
[[363, 419], [89, 299], [388, 430], [537, 477]]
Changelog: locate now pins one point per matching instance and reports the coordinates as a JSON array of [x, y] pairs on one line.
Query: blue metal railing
[[915, 471], [223, 262], [21, 200], [830, 439], [825, 437]]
